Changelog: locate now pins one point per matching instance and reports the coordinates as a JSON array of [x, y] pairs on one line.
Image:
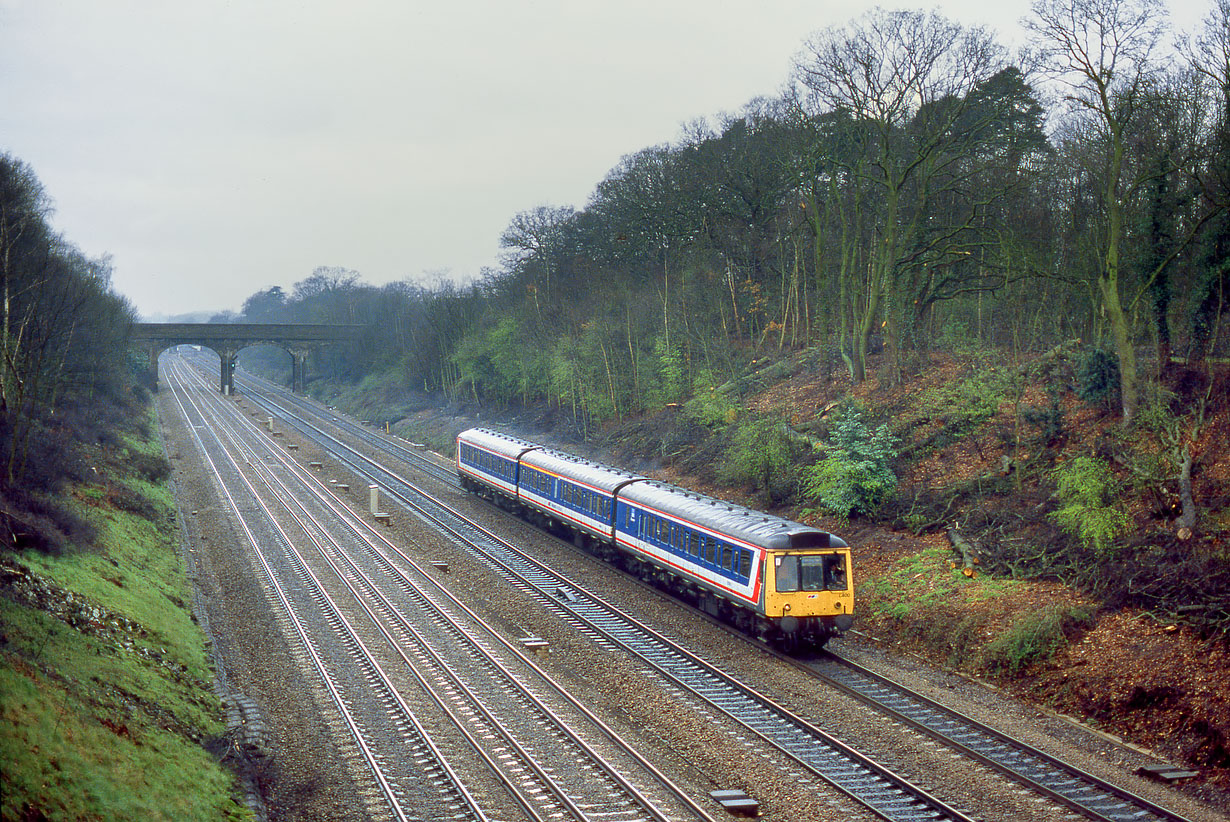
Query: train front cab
[[809, 592]]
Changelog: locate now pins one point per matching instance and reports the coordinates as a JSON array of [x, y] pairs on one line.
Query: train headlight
[[786, 608]]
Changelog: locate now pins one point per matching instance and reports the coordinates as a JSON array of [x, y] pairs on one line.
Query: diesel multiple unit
[[768, 576]]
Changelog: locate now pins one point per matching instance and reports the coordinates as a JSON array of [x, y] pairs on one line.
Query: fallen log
[[967, 551]]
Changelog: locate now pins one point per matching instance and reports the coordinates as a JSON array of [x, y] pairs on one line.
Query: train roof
[[602, 477], [505, 445], [751, 526]]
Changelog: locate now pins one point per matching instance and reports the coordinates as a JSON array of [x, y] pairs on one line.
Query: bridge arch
[[228, 339]]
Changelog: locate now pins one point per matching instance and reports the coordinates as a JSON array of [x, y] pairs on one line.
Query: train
[[778, 580]]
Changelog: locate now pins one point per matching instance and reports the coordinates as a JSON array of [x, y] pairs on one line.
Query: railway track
[[1063, 783], [360, 711], [286, 405], [1058, 781], [816, 754], [522, 725]]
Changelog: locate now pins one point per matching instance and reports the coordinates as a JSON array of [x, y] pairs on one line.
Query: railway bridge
[[228, 339]]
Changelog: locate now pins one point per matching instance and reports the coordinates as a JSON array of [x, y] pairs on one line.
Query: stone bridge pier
[[228, 339]]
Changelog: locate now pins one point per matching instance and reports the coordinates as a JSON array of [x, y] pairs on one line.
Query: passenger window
[[745, 564]]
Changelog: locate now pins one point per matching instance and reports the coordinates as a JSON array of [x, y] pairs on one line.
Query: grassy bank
[[107, 709], [984, 625]]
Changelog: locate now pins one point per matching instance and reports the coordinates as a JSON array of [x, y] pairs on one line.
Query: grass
[[927, 580], [1035, 638], [109, 722], [958, 619]]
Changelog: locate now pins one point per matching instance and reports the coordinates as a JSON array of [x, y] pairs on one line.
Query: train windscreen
[[810, 572]]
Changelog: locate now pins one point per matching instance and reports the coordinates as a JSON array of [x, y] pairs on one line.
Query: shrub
[[672, 376], [149, 467], [709, 406], [857, 475], [760, 458], [1085, 486], [1048, 420], [1035, 638], [1097, 378], [962, 406]]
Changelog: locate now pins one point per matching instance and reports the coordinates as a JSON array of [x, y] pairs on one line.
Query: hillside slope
[[107, 709]]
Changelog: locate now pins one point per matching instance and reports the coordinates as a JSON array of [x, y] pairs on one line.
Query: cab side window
[[835, 572], [787, 574]]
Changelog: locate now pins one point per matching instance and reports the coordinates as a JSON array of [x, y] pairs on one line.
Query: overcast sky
[[217, 148]]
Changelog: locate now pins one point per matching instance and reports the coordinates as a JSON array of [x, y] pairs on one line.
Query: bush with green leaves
[[761, 458], [856, 475], [965, 403], [1097, 378], [1036, 638], [709, 406], [1085, 488], [671, 373]]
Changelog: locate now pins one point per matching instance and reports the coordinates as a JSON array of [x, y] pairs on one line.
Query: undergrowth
[[925, 596], [1035, 638]]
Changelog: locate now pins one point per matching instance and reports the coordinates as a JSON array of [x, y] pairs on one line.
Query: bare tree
[[1208, 54], [23, 211], [1102, 53], [534, 238]]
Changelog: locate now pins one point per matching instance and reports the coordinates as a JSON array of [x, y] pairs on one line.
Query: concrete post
[[373, 492]]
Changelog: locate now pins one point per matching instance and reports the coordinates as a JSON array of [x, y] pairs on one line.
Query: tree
[[1102, 52], [63, 339], [23, 234], [536, 238], [1208, 54], [265, 306], [905, 82], [641, 206]]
